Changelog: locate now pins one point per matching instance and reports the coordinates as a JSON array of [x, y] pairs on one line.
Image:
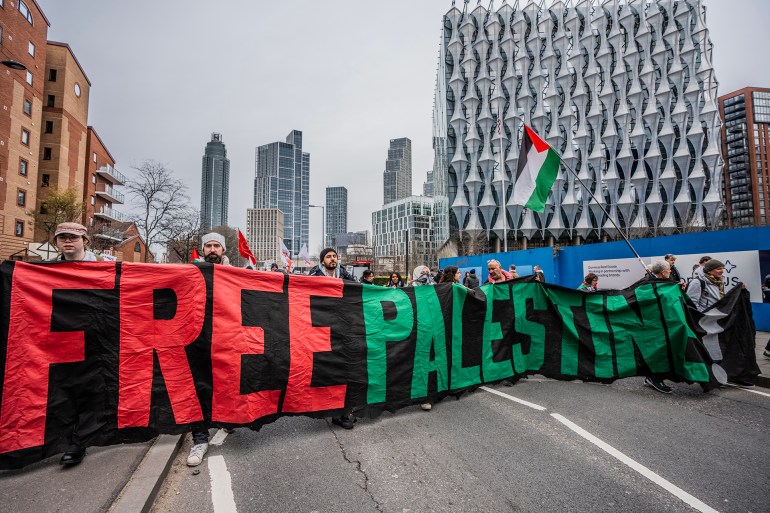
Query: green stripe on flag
[[544, 181]]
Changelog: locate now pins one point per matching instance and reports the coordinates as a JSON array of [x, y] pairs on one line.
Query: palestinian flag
[[538, 167]]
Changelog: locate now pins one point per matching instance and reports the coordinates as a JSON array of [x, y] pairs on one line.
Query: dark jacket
[[675, 276], [339, 273], [473, 282]]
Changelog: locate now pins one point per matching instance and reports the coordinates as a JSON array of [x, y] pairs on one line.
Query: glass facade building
[[215, 184], [336, 213], [397, 179], [624, 91], [746, 145], [406, 223], [282, 181]]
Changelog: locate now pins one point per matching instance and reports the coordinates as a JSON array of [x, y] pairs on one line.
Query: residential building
[[637, 122], [397, 179], [404, 232], [65, 125], [336, 213], [264, 226], [215, 184], [746, 146], [101, 192], [282, 181], [23, 35]]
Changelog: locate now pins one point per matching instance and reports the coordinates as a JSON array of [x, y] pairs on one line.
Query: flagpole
[[639, 258], [561, 161]]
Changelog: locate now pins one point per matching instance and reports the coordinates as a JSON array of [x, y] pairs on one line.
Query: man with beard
[[214, 253], [329, 267]]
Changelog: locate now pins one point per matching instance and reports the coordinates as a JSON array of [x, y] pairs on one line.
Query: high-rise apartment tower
[[215, 184], [397, 180], [336, 212]]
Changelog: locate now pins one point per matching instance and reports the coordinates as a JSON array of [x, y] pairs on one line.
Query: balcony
[[110, 234], [110, 214], [110, 194], [112, 175]]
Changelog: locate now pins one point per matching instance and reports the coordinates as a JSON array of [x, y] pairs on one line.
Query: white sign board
[[740, 267]]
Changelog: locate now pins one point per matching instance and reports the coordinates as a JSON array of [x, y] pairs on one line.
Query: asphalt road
[[619, 447]]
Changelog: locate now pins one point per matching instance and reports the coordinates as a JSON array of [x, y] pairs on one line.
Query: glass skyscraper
[[215, 184], [397, 179], [282, 181], [336, 213]]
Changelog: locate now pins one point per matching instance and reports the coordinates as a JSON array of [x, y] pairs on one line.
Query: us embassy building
[[624, 90]]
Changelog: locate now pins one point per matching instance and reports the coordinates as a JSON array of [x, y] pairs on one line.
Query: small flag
[[537, 171], [245, 250], [194, 255], [304, 255], [285, 255]]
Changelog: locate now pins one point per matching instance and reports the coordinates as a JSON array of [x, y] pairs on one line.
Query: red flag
[[194, 256], [245, 250]]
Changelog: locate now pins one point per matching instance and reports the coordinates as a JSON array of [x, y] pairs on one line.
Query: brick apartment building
[[46, 143]]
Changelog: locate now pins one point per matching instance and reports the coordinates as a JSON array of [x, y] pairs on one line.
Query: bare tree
[[58, 207], [160, 200], [185, 235]]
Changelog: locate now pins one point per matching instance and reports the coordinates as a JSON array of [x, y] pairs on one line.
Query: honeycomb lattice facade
[[624, 90]]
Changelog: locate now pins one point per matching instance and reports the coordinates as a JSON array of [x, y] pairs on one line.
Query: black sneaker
[[741, 383], [345, 421], [73, 456], [657, 384]]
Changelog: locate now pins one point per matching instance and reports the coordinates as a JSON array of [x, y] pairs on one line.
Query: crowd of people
[[705, 288]]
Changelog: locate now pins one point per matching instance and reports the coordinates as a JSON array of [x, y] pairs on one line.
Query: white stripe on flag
[[525, 185]]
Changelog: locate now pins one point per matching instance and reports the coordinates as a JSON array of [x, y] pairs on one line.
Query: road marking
[[649, 474], [218, 438], [514, 399], [748, 390], [221, 486]]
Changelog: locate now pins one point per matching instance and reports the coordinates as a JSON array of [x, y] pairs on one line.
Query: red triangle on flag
[[194, 255]]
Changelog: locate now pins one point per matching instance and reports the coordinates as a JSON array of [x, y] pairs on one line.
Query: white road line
[[749, 390], [221, 486], [218, 438], [514, 399], [649, 474]]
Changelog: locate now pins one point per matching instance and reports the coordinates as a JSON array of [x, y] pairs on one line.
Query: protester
[[214, 253], [451, 274], [473, 281], [496, 273], [675, 276], [422, 276], [766, 293], [368, 277], [72, 240], [590, 283], [274, 268], [465, 279], [660, 270], [698, 271], [512, 271], [329, 267], [395, 281], [539, 274]]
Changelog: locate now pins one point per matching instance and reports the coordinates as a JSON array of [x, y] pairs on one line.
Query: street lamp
[[323, 224]]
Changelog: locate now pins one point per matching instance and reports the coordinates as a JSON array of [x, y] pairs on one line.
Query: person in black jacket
[[473, 281], [675, 276], [329, 266]]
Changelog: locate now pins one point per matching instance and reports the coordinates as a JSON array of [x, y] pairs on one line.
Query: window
[[25, 137], [24, 10], [77, 89], [137, 248], [19, 231], [93, 178], [44, 208], [29, 77], [46, 181], [52, 75], [49, 127], [21, 198], [27, 107], [31, 48], [93, 200], [47, 153], [94, 157], [51, 101], [23, 165]]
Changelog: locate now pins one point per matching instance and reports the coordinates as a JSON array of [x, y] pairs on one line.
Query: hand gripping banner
[[105, 353]]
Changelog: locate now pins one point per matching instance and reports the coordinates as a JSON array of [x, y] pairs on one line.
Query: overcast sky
[[350, 74]]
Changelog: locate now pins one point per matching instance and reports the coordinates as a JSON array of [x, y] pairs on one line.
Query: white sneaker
[[426, 406], [196, 454]]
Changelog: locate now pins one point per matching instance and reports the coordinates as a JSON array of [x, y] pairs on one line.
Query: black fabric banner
[[105, 353]]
